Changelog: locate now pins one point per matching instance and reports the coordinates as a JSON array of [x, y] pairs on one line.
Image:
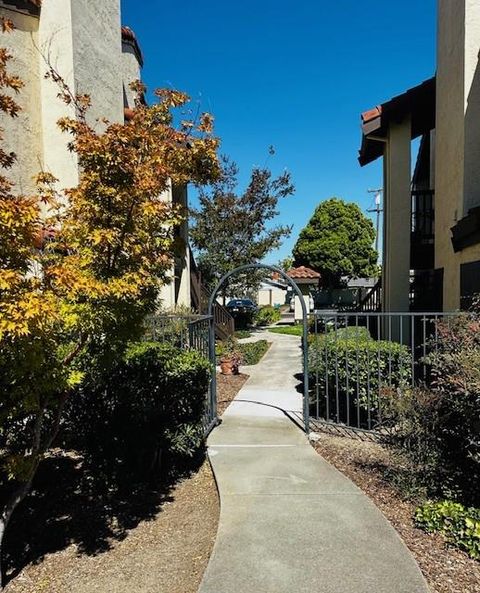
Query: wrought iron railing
[[191, 332], [423, 215], [357, 361]]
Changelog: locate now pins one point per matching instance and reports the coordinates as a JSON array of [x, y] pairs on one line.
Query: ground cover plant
[[438, 430], [241, 334], [288, 330], [249, 353]]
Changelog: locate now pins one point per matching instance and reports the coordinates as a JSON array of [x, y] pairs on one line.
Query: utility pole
[[378, 210]]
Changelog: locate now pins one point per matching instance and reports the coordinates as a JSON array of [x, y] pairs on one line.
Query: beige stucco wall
[[397, 217], [97, 55], [56, 47], [457, 146], [130, 73], [23, 135], [271, 296]]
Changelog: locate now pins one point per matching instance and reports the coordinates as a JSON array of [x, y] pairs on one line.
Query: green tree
[[286, 263], [230, 229], [337, 242]]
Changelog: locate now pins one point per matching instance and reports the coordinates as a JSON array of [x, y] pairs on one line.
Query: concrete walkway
[[289, 521]]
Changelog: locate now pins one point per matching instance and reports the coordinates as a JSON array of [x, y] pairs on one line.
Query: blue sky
[[295, 75]]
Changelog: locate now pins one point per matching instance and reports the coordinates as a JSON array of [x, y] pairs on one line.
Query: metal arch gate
[[213, 384]]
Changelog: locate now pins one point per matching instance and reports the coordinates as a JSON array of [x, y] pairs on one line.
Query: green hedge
[[267, 315], [459, 524], [352, 359], [148, 409]]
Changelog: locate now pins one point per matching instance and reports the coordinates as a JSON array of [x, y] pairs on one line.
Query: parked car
[[241, 306], [242, 311]]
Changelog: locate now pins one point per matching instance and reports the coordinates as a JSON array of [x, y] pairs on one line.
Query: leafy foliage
[[146, 409], [253, 352], [337, 242], [459, 524], [438, 426], [248, 353], [88, 288], [288, 330], [350, 361], [230, 230], [242, 333], [267, 315]]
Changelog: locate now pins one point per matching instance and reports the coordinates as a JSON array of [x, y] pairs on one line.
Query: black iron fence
[[190, 332], [357, 360]]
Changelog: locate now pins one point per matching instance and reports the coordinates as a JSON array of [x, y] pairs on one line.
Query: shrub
[[460, 525], [439, 425], [347, 361], [267, 316], [149, 407]]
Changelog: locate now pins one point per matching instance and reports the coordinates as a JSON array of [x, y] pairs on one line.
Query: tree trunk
[[15, 499]]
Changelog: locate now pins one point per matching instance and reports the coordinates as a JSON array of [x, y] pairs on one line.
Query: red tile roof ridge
[[371, 114], [303, 272], [128, 35]]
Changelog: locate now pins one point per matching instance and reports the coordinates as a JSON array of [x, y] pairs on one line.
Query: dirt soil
[[446, 569], [167, 554]]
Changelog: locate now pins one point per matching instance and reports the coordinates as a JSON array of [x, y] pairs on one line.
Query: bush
[[148, 409], [460, 525], [439, 425], [351, 359], [267, 316]]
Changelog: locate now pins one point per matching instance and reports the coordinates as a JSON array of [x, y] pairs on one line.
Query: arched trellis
[[211, 302]]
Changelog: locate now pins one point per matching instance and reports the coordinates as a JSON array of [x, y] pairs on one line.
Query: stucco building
[[87, 45], [437, 204]]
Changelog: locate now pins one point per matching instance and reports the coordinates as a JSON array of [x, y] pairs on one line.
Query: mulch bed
[[227, 388], [446, 569], [167, 553]]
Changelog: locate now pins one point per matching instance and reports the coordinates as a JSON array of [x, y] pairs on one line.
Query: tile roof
[[129, 37], [303, 272], [417, 102]]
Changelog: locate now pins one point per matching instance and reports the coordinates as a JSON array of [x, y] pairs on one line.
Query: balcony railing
[[423, 229]]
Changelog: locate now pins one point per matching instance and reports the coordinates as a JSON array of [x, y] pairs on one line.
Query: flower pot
[[229, 366]]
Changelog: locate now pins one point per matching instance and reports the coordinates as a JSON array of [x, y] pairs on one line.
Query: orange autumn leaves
[[111, 238]]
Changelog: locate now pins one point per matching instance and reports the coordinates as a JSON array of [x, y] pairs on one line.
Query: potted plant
[[230, 357]]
